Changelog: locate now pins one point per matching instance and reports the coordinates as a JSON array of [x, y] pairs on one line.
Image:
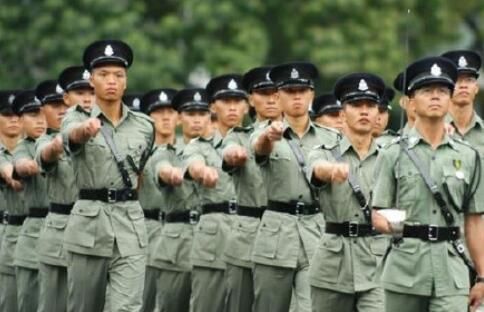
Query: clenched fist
[[274, 131], [209, 177], [340, 172], [171, 175], [27, 167], [235, 156]]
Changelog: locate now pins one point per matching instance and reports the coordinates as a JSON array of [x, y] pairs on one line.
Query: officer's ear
[[67, 99], [92, 72]]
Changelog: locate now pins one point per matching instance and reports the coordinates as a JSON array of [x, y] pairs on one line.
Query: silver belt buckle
[[232, 206], [300, 208], [193, 217], [111, 195], [433, 232], [353, 229]]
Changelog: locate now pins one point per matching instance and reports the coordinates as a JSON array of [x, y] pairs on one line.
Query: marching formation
[[250, 194]]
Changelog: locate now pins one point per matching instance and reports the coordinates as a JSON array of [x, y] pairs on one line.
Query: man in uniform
[[156, 104], [343, 271], [173, 246], [436, 182], [383, 135], [326, 111], [55, 164], [217, 198], [291, 226], [262, 94], [48, 112], [11, 131], [468, 125], [106, 235]]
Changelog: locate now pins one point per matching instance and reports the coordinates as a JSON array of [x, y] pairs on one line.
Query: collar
[[288, 129], [345, 146], [414, 138], [96, 112]]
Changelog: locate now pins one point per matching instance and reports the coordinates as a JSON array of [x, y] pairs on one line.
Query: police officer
[[48, 112], [262, 94], [291, 226], [56, 166], [106, 234], [437, 184], [217, 198], [14, 210], [78, 93], [468, 125], [380, 132], [343, 271], [173, 246], [156, 104], [326, 111]]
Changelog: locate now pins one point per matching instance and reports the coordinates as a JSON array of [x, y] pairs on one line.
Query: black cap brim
[[430, 80], [296, 84], [361, 97], [468, 71], [79, 85], [229, 94]]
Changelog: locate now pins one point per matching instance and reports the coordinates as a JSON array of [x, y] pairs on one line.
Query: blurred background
[[180, 43]]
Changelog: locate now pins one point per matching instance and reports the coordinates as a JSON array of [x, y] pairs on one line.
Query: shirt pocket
[[457, 268], [82, 226], [455, 183], [329, 256], [409, 181], [136, 148], [242, 238], [205, 240], [268, 236], [170, 244], [138, 221], [402, 266]]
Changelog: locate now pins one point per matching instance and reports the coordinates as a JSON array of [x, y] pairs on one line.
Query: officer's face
[[82, 97], [381, 122], [10, 125], [431, 101], [360, 116], [54, 112], [295, 101], [230, 111], [265, 104], [194, 123], [466, 89], [165, 119], [109, 82], [34, 123], [332, 120]]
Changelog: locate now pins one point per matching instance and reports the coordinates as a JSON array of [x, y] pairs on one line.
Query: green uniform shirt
[[174, 245], [474, 135], [415, 266], [94, 226], [387, 137], [212, 230], [251, 192], [61, 189], [280, 236], [341, 263]]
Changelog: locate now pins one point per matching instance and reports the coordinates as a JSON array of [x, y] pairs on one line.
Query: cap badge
[[268, 77], [86, 75], [108, 51], [232, 85], [163, 97], [462, 62], [136, 103], [294, 74], [362, 86], [338, 102], [58, 89], [197, 97], [11, 98], [435, 70]]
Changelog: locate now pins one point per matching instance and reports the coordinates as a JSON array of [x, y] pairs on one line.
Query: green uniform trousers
[[208, 290], [8, 292], [240, 288], [174, 289], [89, 277], [149, 292], [53, 288], [27, 289], [413, 303], [327, 300]]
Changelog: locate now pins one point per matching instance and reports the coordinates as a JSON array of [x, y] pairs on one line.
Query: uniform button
[[433, 157], [434, 211], [354, 241], [357, 215]]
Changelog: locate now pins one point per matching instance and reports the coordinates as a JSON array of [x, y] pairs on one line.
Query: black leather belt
[[350, 229], [16, 220], [108, 195], [38, 212], [295, 208], [229, 207], [254, 212], [64, 209], [187, 216], [431, 233], [152, 214]]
